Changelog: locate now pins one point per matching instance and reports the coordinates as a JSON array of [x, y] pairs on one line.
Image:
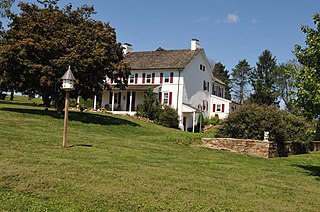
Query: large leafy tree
[[220, 71], [42, 41], [240, 79], [286, 83], [264, 80], [308, 78], [5, 6]]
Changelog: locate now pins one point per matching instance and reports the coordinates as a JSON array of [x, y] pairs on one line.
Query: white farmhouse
[[182, 79]]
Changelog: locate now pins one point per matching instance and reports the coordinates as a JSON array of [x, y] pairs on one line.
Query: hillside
[[120, 163]]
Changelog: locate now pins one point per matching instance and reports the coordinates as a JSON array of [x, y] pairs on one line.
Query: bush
[[214, 120], [150, 107], [251, 120], [168, 117]]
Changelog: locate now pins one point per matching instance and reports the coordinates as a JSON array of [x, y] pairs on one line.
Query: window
[[166, 77], [148, 78], [202, 67], [131, 79], [218, 108], [204, 85], [165, 98]]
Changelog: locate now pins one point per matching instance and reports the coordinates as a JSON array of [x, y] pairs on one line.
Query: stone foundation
[[264, 149]]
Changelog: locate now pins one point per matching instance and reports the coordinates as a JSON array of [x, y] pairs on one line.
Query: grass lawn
[[119, 163]]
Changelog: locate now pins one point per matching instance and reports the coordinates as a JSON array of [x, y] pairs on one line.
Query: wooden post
[[66, 109]]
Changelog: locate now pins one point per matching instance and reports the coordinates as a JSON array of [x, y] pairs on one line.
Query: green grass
[[119, 163]]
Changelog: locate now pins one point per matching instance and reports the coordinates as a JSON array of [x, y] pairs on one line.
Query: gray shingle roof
[[160, 59]]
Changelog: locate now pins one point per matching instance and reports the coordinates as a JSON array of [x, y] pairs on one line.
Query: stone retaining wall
[[264, 149]]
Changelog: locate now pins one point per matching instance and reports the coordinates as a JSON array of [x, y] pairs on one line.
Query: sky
[[228, 30]]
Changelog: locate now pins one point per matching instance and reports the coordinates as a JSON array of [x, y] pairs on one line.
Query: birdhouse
[[68, 80]]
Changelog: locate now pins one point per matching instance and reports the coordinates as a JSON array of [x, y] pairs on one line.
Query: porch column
[[112, 103], [193, 121], [130, 105], [95, 103]]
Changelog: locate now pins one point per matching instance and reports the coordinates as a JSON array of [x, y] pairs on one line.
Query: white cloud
[[232, 18], [254, 21]]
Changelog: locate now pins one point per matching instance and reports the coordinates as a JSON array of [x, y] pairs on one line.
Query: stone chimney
[[195, 44], [127, 47]]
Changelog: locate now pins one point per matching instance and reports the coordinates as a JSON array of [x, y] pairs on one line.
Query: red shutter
[[136, 79], [171, 77], [111, 81], [160, 97], [161, 77], [223, 108], [153, 75], [143, 78], [214, 108], [170, 98]]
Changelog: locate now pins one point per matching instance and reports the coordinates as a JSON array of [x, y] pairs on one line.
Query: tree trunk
[[12, 95], [46, 101]]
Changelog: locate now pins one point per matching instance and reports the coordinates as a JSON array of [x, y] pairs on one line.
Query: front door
[[133, 101]]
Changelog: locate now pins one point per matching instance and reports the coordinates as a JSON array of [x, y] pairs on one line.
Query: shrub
[[150, 107], [168, 117], [214, 120], [251, 120]]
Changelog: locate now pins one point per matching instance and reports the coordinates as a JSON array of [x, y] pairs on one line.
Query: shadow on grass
[[8, 102], [87, 118], [312, 170], [83, 145]]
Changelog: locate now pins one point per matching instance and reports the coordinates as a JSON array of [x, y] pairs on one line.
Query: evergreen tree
[[222, 74], [263, 80], [240, 78]]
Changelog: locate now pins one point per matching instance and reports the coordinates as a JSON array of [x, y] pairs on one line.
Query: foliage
[[5, 6], [43, 41], [222, 74], [263, 80], [286, 83], [252, 120], [150, 107], [240, 79], [131, 165], [168, 117], [214, 120], [308, 77]]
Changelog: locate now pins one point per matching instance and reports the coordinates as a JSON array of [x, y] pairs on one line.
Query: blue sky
[[228, 30]]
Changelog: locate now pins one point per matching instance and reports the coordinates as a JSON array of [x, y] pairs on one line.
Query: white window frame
[[166, 77], [131, 78], [166, 98], [219, 108], [148, 78]]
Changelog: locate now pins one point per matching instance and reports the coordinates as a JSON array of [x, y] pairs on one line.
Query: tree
[[5, 6], [308, 78], [263, 80], [222, 74], [240, 78], [43, 41], [286, 83]]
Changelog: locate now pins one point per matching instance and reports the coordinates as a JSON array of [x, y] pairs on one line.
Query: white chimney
[[127, 48], [195, 44]]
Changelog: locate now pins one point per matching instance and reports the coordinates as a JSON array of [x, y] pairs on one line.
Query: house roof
[[160, 59]]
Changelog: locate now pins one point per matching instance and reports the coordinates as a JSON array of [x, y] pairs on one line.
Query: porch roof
[[186, 108]]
